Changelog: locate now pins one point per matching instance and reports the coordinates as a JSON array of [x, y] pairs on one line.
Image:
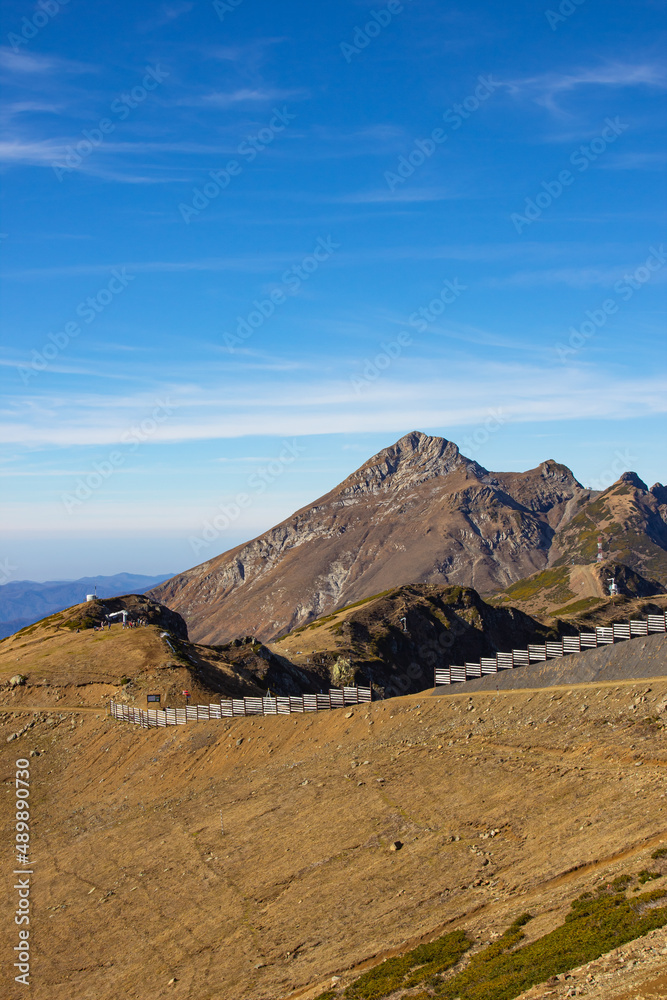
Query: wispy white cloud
[[43, 153], [12, 110], [166, 14], [257, 263], [574, 277], [248, 55], [17, 151], [243, 95], [547, 89], [636, 160], [38, 64], [382, 196], [525, 393]]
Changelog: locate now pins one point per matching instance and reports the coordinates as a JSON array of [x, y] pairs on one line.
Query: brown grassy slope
[[89, 667], [571, 591], [136, 886]]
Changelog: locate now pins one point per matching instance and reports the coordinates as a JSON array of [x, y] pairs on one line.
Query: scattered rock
[[239, 742], [396, 846], [17, 680]]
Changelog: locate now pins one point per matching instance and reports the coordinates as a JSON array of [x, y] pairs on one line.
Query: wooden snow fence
[[602, 636], [227, 709]]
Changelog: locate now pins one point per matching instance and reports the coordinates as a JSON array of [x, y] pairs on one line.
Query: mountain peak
[[416, 512], [412, 459], [557, 470], [633, 479]]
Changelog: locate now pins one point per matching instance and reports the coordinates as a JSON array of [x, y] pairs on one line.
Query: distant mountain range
[[418, 512], [23, 602]]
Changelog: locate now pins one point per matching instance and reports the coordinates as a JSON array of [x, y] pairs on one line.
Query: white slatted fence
[[152, 718], [603, 636]]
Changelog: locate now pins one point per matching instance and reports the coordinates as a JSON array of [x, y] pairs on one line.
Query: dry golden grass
[[136, 885]]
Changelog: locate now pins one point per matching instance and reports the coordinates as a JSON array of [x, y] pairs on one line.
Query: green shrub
[[409, 970], [596, 924], [647, 876]]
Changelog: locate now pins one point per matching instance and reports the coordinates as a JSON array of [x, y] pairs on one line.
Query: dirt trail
[[53, 709], [585, 583]]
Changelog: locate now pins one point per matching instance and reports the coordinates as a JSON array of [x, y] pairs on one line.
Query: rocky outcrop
[[397, 640], [138, 606]]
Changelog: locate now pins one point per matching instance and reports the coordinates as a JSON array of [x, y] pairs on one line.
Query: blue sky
[[246, 245]]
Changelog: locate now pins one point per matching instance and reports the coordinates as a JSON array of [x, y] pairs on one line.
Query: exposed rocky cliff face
[[395, 640], [417, 512]]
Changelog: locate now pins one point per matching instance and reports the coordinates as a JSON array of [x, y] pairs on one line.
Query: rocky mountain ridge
[[417, 512]]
